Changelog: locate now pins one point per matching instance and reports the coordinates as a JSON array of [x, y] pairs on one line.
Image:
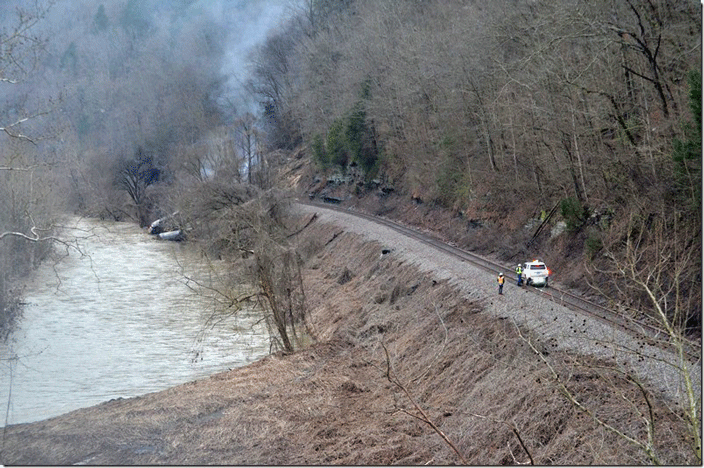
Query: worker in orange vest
[[500, 279]]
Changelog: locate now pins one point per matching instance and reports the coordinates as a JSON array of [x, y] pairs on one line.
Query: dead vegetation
[[474, 378]]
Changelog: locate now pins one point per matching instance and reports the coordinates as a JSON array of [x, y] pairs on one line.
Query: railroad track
[[652, 334]]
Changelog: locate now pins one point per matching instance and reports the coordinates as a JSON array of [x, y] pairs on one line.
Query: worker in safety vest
[[500, 279], [519, 274]]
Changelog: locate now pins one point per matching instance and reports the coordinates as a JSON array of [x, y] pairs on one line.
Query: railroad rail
[[654, 335]]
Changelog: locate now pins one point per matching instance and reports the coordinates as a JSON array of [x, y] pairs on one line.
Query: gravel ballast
[[560, 326]]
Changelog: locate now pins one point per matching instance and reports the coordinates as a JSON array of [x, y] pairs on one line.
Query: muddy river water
[[124, 317]]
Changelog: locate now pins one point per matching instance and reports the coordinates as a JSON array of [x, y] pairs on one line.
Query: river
[[121, 318]]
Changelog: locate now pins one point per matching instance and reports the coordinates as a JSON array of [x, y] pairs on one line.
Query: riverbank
[[391, 333], [10, 314], [118, 318]]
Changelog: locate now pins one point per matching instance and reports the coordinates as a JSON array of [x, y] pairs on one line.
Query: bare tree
[[655, 270], [134, 176], [26, 210], [271, 84], [19, 57], [250, 228], [247, 138]]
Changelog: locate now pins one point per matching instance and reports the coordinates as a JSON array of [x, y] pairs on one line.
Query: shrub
[[319, 153], [573, 213], [592, 246], [336, 144], [452, 183], [687, 153], [349, 139]]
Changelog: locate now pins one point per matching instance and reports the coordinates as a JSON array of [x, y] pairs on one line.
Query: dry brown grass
[[473, 375]]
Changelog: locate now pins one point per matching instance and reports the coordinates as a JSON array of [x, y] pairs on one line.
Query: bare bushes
[[28, 203], [214, 214], [276, 269], [248, 228], [653, 261], [473, 375], [650, 263], [278, 272], [119, 189]]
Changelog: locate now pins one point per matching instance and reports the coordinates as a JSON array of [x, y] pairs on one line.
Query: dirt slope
[[470, 372]]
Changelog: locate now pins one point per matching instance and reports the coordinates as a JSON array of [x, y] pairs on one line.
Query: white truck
[[536, 273]]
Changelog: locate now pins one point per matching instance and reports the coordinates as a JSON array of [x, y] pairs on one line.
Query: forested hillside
[[115, 109], [569, 130], [515, 110], [507, 113]]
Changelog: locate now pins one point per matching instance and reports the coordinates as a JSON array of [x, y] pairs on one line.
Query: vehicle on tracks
[[536, 273]]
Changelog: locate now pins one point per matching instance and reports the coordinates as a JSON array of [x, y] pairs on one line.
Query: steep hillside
[[515, 233], [397, 350], [491, 229], [514, 116]]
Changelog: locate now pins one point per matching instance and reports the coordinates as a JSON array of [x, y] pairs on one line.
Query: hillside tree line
[[511, 112], [118, 110], [504, 110], [493, 109]]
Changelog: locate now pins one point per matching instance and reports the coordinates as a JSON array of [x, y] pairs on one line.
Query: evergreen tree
[[687, 154]]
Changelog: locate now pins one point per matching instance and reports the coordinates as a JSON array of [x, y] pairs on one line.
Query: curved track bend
[[654, 335]]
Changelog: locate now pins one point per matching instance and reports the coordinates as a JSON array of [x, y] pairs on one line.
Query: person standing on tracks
[[519, 274], [500, 279]]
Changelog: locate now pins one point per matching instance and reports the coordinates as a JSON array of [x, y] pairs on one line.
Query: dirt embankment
[[375, 316]]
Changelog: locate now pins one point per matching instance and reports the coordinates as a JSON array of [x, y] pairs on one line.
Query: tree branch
[[649, 451], [424, 417], [514, 429]]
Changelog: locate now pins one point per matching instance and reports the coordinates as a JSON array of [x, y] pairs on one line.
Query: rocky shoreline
[[404, 352]]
